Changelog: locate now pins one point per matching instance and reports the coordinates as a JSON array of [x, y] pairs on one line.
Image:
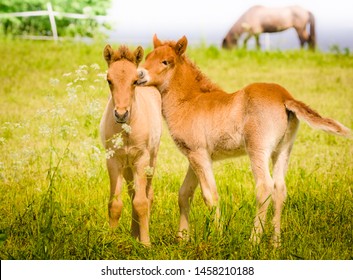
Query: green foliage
[[54, 183], [41, 26]]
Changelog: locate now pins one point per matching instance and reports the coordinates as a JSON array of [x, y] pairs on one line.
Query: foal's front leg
[[201, 165], [129, 178], [115, 204], [141, 202], [186, 194]]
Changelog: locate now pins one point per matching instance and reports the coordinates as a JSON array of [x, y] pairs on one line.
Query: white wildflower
[[67, 130], [95, 66], [44, 130], [94, 108], [117, 141], [70, 89], [54, 82], [102, 75], [95, 153], [72, 97], [80, 73], [109, 153], [58, 111], [67, 74], [17, 125], [149, 171], [126, 128]]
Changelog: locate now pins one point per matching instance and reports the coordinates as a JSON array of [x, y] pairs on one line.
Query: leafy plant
[[40, 25]]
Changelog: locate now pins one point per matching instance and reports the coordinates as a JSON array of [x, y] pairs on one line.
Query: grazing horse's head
[[230, 41], [160, 63], [122, 78]]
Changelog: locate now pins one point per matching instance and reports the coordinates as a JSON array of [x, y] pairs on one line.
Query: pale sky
[[210, 20]]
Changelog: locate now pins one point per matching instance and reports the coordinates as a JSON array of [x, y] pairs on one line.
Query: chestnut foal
[[208, 124]]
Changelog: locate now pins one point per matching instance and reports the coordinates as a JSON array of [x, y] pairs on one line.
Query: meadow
[[54, 185]]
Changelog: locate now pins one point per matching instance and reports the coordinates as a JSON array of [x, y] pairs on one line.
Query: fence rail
[[52, 14]]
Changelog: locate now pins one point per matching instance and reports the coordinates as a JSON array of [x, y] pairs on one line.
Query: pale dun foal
[[130, 129], [209, 124]]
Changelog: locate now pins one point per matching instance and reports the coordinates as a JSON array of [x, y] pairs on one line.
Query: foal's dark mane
[[206, 85]]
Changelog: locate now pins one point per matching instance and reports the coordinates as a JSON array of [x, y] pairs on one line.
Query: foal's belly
[[219, 155], [226, 148]]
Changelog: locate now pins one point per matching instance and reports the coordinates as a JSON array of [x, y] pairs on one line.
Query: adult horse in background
[[260, 19], [130, 129], [208, 124]]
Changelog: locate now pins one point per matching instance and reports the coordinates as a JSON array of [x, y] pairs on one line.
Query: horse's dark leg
[[248, 36], [257, 39], [303, 36]]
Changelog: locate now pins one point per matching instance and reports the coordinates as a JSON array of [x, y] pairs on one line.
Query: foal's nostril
[[140, 74], [121, 118]]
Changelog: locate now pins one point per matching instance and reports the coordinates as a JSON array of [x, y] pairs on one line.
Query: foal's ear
[[156, 41], [138, 54], [181, 45], [108, 53]]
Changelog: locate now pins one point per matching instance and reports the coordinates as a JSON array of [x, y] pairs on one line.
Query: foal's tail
[[312, 35], [312, 118]]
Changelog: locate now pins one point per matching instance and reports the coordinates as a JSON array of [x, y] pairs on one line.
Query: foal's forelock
[[123, 53]]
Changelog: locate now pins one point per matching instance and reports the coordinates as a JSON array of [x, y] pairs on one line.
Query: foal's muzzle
[[142, 76], [121, 118]]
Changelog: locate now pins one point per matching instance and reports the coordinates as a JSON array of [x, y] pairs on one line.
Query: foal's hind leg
[[280, 160], [264, 188], [280, 163]]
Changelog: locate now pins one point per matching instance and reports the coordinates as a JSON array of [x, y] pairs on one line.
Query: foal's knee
[[210, 198], [115, 207], [141, 206], [264, 191], [280, 191]]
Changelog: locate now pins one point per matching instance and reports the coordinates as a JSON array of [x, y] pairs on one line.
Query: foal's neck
[[188, 81]]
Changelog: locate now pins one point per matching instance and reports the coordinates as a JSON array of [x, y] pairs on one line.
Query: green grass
[[54, 184]]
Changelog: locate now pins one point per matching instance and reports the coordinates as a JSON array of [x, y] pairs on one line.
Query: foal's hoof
[[182, 236], [255, 238], [146, 244], [276, 241]]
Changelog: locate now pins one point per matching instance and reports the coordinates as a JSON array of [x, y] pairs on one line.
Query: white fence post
[[52, 21], [267, 42]]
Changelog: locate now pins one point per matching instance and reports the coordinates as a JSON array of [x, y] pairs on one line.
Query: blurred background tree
[[40, 25]]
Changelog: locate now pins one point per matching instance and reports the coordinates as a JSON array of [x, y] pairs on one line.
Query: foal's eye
[[165, 62]]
